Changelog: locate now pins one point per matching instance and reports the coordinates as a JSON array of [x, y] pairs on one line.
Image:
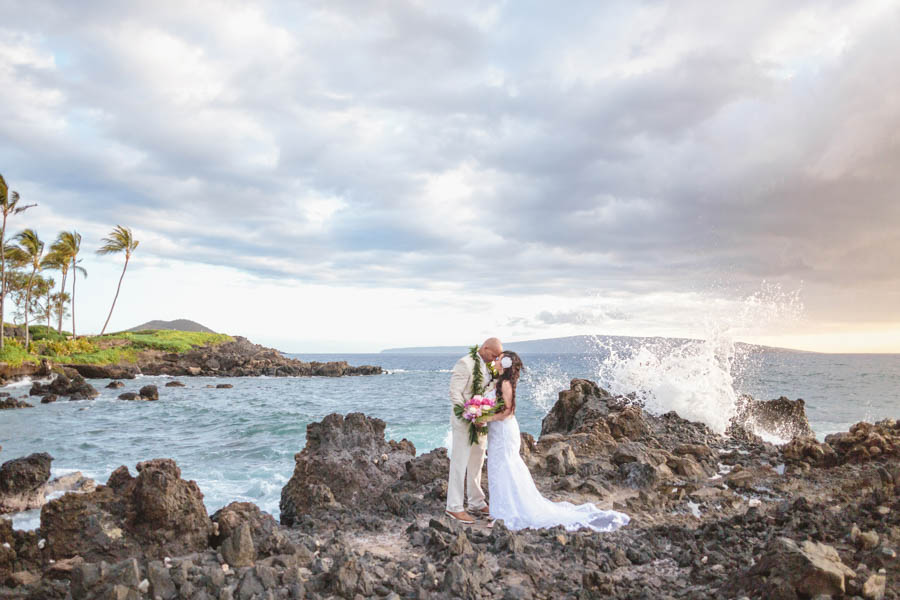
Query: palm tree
[[56, 261], [67, 246], [119, 240], [29, 251], [9, 205]]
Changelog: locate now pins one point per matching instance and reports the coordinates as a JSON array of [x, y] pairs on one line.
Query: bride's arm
[[506, 392]]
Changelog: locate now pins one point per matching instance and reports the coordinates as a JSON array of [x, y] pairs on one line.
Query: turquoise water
[[238, 444]]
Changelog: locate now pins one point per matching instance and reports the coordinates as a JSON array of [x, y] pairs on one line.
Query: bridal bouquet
[[475, 407]]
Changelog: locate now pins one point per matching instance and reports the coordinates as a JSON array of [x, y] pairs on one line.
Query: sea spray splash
[[701, 379], [545, 384]]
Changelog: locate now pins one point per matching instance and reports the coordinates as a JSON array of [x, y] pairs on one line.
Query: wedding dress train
[[515, 499]]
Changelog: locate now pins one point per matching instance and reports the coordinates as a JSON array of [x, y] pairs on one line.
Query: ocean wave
[[698, 379]]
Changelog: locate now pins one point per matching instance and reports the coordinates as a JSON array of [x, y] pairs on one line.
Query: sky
[[350, 176]]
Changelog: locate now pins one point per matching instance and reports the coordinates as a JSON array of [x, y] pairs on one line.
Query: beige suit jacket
[[461, 379]]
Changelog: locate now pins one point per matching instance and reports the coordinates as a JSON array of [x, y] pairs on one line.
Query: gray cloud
[[520, 150]]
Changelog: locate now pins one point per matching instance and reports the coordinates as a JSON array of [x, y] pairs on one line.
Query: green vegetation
[[35, 297], [103, 350], [169, 340], [14, 354]]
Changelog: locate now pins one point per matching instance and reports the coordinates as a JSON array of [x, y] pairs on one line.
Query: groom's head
[[490, 349]]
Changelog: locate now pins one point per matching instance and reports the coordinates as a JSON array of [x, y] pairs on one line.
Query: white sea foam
[[24, 382], [698, 379], [26, 520]]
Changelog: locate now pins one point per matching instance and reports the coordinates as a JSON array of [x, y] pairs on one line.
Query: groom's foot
[[484, 511], [462, 517]]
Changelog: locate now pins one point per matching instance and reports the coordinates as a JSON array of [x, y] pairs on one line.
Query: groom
[[466, 460]]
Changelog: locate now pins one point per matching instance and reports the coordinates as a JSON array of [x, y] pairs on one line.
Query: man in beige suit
[[467, 460]]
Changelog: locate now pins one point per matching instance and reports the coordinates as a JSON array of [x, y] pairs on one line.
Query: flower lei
[[477, 378]]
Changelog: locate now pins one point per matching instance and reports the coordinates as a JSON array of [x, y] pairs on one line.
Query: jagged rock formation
[[153, 515], [712, 517], [346, 461]]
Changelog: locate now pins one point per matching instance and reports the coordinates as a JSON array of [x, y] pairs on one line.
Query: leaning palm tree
[[54, 261], [28, 251], [67, 245], [9, 205], [120, 240]]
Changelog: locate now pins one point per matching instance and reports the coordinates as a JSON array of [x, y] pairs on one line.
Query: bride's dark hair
[[512, 376]]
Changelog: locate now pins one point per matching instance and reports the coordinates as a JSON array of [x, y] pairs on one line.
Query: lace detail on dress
[[515, 499]]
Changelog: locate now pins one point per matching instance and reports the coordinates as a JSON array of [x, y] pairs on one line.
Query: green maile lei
[[477, 390]]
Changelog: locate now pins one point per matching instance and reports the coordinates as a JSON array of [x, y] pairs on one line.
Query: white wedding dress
[[516, 500]]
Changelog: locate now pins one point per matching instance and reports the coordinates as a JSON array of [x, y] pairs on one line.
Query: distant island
[[574, 344], [176, 325]]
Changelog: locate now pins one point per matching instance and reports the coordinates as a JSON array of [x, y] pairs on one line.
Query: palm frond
[[120, 239], [30, 243]]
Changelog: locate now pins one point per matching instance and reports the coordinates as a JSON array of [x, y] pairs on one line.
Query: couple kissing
[[483, 395]]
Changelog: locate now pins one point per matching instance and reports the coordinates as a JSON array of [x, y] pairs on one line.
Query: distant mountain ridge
[[575, 344], [177, 325]]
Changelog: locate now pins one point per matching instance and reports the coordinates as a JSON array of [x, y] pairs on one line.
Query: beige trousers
[[465, 468]]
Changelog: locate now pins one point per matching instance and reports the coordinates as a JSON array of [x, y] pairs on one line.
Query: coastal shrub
[[14, 354], [65, 347], [42, 332], [106, 356]]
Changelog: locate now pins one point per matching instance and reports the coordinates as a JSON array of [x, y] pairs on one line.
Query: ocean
[[238, 444]]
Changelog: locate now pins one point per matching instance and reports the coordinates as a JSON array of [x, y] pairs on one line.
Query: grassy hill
[[176, 325], [108, 349]]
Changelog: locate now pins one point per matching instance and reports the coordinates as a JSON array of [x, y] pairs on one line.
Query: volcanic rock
[[866, 441], [174, 384], [781, 417], [115, 385], [153, 515], [810, 569], [245, 532], [149, 392], [242, 358], [583, 401], [346, 461], [105, 371], [9, 403], [22, 480], [76, 388]]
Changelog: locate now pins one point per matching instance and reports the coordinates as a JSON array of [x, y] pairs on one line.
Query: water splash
[[700, 379], [543, 385]]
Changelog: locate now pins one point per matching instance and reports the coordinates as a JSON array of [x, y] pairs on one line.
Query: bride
[[514, 497]]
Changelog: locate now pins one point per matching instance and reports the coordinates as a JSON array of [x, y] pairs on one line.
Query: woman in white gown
[[514, 497]]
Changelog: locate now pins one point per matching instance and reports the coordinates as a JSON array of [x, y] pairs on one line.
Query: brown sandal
[[452, 516]]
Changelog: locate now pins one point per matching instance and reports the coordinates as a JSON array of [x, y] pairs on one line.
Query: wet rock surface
[[75, 387], [712, 517], [10, 403], [22, 480]]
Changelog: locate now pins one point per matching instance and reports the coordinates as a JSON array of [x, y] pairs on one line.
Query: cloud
[[473, 146]]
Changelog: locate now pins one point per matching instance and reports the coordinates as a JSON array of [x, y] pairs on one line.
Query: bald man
[[467, 460]]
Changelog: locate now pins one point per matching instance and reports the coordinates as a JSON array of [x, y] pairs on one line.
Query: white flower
[[506, 362]]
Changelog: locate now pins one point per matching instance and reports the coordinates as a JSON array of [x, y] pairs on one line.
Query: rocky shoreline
[[238, 358], [712, 517]]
